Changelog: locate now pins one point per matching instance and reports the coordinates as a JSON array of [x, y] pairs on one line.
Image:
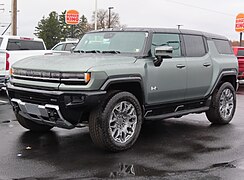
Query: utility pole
[[109, 16], [14, 18], [95, 14]]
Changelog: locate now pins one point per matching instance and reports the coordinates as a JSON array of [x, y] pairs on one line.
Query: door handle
[[206, 64], [180, 66]]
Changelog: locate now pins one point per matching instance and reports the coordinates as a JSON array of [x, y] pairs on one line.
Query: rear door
[[199, 66]]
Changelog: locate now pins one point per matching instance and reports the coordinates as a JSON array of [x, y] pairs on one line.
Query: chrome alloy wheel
[[122, 122], [226, 103]]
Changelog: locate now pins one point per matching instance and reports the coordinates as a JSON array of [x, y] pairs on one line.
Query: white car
[[64, 46]]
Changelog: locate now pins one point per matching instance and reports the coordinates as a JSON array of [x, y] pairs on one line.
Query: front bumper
[[63, 109]]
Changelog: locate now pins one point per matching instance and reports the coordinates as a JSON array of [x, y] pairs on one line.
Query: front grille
[[69, 78], [35, 98]]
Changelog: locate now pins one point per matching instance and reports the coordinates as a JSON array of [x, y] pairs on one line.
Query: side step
[[178, 113]]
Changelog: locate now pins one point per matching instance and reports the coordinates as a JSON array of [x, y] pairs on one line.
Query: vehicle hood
[[72, 62]]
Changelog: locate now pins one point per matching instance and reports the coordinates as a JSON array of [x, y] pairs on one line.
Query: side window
[[69, 46], [161, 39], [223, 46], [58, 47], [195, 46]]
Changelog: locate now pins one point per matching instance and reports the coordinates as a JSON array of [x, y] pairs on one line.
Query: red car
[[239, 52]]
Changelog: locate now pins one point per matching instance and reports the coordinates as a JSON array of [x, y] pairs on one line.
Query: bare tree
[[102, 19]]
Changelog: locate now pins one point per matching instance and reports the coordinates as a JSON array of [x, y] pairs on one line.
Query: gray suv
[[118, 78]]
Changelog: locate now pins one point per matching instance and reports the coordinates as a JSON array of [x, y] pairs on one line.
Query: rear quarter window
[[223, 46], [16, 44]]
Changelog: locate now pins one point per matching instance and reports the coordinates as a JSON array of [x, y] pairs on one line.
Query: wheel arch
[[226, 76], [133, 85]]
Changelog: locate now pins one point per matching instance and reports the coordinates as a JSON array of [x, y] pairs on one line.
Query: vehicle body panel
[[240, 57]]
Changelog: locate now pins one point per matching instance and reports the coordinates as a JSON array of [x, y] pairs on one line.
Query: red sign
[[240, 23], [72, 17]]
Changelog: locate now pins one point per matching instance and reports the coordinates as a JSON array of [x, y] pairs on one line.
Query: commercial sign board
[[240, 23], [72, 17]]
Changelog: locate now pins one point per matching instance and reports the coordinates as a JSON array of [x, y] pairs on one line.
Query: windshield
[[112, 42]]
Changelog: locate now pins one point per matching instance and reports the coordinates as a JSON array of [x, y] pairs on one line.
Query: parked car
[[15, 48], [117, 79], [239, 52], [65, 46]]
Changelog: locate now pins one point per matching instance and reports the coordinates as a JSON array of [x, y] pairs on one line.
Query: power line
[[197, 7]]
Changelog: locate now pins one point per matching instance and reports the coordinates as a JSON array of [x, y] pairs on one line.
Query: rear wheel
[[116, 124], [223, 104], [28, 124]]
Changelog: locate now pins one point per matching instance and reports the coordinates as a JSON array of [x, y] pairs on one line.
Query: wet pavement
[[176, 149]]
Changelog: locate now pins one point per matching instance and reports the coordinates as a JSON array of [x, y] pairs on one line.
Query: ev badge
[[154, 88]]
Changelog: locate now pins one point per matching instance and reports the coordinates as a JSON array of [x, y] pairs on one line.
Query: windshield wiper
[[112, 52], [82, 51], [93, 51], [79, 51]]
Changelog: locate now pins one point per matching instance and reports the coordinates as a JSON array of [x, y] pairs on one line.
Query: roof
[[21, 37], [167, 30]]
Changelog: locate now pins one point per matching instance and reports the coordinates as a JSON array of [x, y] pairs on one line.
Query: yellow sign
[[240, 23], [72, 17]]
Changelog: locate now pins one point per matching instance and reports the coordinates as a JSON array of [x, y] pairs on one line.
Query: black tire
[[100, 121], [32, 126], [214, 114]]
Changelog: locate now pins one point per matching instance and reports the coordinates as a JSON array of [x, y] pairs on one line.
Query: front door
[[166, 83]]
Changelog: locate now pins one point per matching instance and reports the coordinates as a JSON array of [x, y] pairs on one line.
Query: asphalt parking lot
[[184, 148]]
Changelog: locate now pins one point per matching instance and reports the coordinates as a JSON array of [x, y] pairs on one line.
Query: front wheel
[[223, 104], [116, 124]]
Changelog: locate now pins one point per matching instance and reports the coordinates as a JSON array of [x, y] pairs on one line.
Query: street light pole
[[109, 16], [179, 25], [240, 38], [95, 14]]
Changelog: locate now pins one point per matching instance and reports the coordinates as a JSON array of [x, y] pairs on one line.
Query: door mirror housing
[[72, 49], [162, 52]]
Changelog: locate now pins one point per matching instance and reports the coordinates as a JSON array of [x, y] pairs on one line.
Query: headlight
[[51, 76], [72, 75]]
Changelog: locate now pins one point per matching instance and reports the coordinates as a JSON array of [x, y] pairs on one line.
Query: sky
[[213, 16]]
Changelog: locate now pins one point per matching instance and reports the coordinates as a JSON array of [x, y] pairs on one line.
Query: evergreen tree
[[49, 30]]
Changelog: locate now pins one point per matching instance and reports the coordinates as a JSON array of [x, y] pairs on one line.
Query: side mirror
[[72, 49], [162, 52]]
